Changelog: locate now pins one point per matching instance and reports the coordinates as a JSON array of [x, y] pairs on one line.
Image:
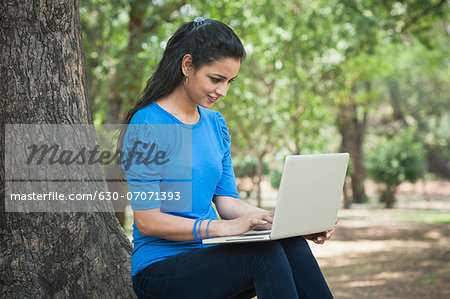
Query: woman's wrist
[[217, 228]]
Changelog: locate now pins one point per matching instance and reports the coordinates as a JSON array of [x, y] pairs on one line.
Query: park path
[[375, 255]]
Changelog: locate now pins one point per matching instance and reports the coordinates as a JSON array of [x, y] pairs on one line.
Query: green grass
[[348, 217], [431, 218], [429, 279]]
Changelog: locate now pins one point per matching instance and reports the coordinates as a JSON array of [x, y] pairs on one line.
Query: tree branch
[[426, 11]]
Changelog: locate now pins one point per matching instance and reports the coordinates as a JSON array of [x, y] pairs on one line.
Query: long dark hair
[[205, 40]]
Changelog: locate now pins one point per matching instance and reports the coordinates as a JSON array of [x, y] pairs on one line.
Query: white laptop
[[308, 198]]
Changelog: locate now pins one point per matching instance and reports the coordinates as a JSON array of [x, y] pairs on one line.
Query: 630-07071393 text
[[103, 195]]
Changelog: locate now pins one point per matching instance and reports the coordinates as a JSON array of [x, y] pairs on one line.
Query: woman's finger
[[330, 233], [268, 218], [258, 221], [319, 240]]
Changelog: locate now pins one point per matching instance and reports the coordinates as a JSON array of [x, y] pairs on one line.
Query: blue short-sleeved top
[[210, 173]]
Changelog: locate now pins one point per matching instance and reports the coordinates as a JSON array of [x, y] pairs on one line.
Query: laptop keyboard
[[257, 233]]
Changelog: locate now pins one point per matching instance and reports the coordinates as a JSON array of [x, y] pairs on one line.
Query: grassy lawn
[[424, 217]]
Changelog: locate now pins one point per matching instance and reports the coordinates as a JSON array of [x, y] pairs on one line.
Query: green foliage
[[396, 160], [104, 25], [246, 167], [275, 178], [417, 87], [306, 60]]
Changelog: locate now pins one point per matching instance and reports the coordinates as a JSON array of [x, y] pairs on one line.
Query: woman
[[200, 61]]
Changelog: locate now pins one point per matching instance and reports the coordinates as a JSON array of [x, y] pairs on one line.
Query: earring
[[186, 78]]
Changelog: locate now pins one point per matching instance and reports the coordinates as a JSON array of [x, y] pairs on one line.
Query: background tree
[[43, 81], [367, 26], [394, 161], [320, 76], [246, 168], [416, 88]]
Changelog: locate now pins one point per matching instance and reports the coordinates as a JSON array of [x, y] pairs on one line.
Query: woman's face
[[210, 82]]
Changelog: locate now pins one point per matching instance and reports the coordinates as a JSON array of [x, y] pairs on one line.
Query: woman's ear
[[186, 65]]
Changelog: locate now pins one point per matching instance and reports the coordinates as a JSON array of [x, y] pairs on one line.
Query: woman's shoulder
[[149, 114], [213, 115], [217, 119]]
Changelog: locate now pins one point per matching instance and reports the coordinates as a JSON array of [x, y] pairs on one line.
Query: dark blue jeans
[[275, 269]]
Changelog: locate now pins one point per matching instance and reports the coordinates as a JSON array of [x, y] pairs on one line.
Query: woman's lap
[[225, 271], [307, 274]]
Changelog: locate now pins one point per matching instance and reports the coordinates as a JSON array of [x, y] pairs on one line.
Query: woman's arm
[[232, 208], [155, 223]]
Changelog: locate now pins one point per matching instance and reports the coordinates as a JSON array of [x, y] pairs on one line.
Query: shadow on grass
[[409, 261]]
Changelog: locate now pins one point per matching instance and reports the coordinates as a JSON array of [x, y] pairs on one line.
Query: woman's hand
[[320, 238], [267, 226], [257, 220]]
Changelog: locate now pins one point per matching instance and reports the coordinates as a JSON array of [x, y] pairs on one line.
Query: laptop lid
[[309, 194]]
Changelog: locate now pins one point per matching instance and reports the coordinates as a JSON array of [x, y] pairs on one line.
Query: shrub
[[393, 161], [275, 178]]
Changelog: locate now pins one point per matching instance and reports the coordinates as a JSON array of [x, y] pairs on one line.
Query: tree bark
[[347, 203], [353, 132], [43, 81], [437, 163], [259, 174], [390, 196]]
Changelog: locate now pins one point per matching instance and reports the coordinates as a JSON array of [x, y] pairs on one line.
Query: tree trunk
[[390, 196], [43, 81], [347, 203], [437, 163], [353, 131], [259, 174]]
